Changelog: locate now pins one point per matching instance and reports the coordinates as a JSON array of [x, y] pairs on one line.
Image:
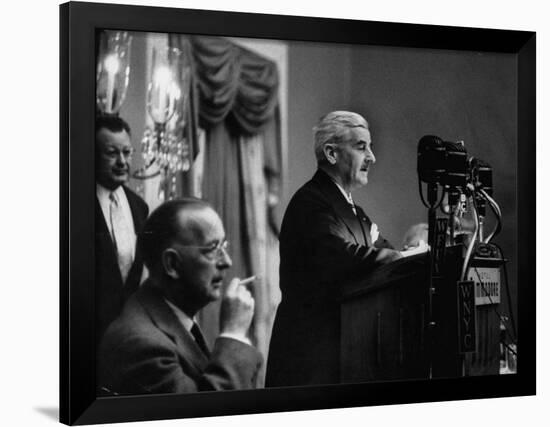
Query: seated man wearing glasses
[[156, 346], [119, 215]]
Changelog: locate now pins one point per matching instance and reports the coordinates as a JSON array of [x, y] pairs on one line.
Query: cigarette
[[247, 280]]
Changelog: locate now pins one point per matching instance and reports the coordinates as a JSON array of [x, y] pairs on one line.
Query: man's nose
[[224, 260], [370, 156], [121, 158]]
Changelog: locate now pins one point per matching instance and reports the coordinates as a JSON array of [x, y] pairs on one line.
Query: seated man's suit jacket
[[323, 244], [111, 293], [147, 350]]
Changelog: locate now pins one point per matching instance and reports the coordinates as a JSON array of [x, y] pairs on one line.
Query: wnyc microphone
[[456, 166], [431, 164], [481, 175], [431, 159]]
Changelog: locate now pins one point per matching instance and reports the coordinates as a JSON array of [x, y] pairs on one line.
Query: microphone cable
[[508, 294], [471, 246], [497, 312], [496, 210]]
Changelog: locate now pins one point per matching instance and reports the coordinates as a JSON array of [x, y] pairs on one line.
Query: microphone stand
[[480, 205], [454, 200]]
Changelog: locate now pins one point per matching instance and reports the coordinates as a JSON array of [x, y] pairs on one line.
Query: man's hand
[[385, 256], [237, 309], [420, 248], [415, 235]]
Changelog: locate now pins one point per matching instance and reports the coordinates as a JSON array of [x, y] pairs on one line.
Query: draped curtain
[[234, 98]]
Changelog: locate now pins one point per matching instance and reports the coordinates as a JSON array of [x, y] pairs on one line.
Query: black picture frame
[[79, 22]]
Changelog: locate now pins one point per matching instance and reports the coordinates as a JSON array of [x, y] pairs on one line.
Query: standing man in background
[[119, 216], [326, 240]]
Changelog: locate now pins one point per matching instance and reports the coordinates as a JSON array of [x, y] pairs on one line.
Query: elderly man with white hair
[[326, 240]]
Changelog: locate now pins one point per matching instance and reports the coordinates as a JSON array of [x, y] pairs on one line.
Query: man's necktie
[[122, 237], [199, 339], [350, 202]]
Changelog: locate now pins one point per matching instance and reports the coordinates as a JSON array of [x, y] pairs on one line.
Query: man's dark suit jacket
[[110, 291], [147, 350], [323, 244]]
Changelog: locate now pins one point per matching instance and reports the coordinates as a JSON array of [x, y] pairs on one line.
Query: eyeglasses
[[113, 153], [214, 251]]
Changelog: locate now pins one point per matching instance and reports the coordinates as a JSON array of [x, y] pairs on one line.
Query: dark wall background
[[319, 80], [405, 94]]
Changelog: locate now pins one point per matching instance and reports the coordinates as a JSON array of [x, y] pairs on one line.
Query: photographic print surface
[[237, 117]]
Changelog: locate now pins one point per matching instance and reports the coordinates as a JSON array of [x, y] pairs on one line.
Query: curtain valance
[[233, 80]]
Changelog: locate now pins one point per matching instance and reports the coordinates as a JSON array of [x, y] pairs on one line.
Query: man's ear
[[330, 153], [170, 259]]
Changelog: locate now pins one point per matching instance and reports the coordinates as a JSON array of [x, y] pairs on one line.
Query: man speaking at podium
[[326, 240]]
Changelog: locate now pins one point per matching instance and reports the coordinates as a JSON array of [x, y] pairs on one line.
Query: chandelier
[[164, 147]]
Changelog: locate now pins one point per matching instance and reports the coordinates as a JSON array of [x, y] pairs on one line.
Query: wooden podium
[[384, 326], [383, 323]]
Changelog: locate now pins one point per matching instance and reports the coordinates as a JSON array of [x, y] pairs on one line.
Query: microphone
[[456, 170], [456, 165], [481, 176], [431, 159], [431, 164]]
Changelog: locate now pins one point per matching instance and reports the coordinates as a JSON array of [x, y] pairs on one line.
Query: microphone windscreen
[[431, 159], [482, 175], [456, 164]]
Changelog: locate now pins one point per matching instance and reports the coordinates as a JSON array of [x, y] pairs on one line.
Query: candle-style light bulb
[[162, 79], [111, 64], [162, 76], [113, 71]]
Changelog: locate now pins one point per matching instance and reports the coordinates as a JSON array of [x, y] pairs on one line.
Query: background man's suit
[[322, 244], [147, 350], [110, 291]]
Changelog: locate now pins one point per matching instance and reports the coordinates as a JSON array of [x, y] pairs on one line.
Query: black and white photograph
[[278, 214], [289, 234]]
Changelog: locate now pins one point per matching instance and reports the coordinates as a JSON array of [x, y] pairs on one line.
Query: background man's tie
[[122, 237]]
